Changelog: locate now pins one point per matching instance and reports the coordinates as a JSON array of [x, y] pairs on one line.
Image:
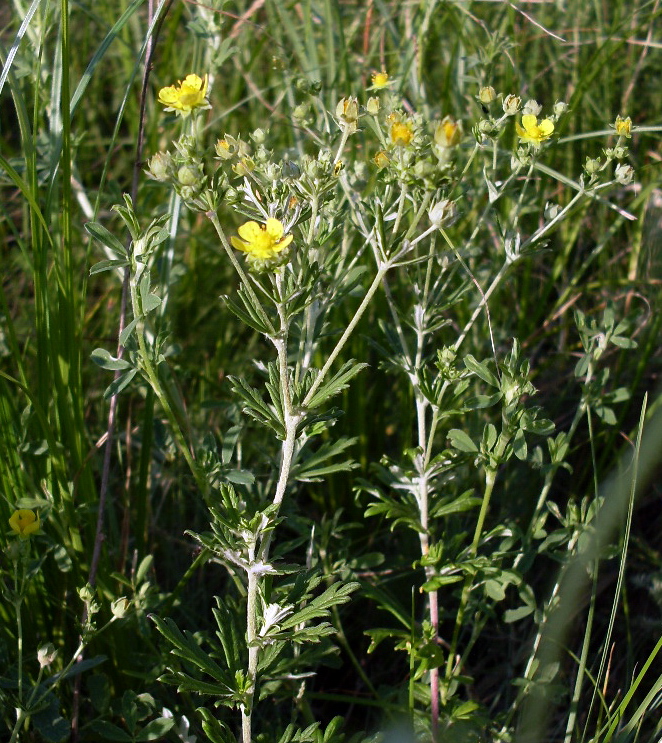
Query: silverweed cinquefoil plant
[[321, 232]]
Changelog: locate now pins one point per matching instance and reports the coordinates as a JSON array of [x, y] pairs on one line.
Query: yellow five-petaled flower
[[188, 95], [24, 522], [261, 242], [533, 132], [380, 80]]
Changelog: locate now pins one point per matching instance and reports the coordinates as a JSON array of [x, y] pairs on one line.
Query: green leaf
[[256, 407], [155, 729], [319, 607], [128, 330], [519, 445], [464, 502], [117, 385], [186, 648], [103, 358], [336, 384], [480, 368], [214, 729], [150, 302], [460, 440], [108, 731], [313, 469], [438, 581], [107, 266], [514, 615], [107, 239]]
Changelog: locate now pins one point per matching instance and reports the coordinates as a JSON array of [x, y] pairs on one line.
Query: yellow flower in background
[[188, 95], [401, 133], [261, 241], [24, 522], [533, 132], [380, 80], [623, 126]]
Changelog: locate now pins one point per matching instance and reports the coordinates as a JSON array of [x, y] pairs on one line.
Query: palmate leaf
[[215, 730], [314, 469], [186, 647], [338, 382], [319, 607], [402, 510], [256, 407]]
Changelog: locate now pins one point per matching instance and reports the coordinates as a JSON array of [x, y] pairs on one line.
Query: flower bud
[[158, 166], [119, 607], [381, 159], [188, 175], [46, 655], [560, 108], [347, 110], [372, 106], [592, 165], [624, 173], [486, 126], [259, 136], [448, 133], [86, 593], [511, 104], [532, 107], [552, 210], [300, 112], [442, 212], [486, 95], [222, 149]]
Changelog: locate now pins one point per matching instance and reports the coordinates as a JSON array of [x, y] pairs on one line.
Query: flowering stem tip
[[261, 242], [24, 522], [187, 96]]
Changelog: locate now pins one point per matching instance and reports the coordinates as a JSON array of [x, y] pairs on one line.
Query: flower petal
[[274, 228], [284, 242], [529, 122], [249, 231], [193, 81], [546, 127], [238, 244]]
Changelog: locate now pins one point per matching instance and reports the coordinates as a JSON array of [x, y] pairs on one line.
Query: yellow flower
[[381, 159], [448, 133], [401, 133], [190, 94], [261, 241], [532, 131], [623, 126], [380, 80], [24, 522]]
